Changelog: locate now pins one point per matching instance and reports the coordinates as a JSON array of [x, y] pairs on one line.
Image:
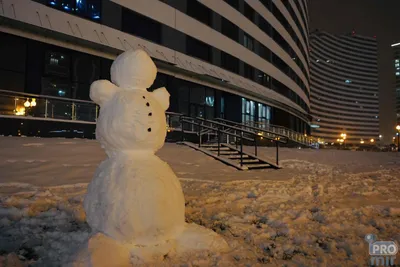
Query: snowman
[[135, 204]]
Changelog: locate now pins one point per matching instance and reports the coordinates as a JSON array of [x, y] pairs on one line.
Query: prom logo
[[383, 253]]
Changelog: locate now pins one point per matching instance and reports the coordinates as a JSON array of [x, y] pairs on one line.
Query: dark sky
[[366, 17]]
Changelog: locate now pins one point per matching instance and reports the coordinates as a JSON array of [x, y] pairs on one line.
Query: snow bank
[[314, 212]]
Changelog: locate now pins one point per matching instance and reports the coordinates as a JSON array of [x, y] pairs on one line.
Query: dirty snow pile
[[317, 217]]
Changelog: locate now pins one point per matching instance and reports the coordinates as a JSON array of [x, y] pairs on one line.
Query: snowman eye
[[149, 130], [150, 114]]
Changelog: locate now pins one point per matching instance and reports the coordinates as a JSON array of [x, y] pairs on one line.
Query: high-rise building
[[396, 62], [344, 87], [245, 61]]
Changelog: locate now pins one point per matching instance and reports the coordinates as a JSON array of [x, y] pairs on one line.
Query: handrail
[[243, 130], [200, 122], [254, 128], [47, 109], [299, 137], [216, 129], [46, 96]]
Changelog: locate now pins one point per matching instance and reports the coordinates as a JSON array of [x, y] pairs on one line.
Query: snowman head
[[133, 69], [131, 118]]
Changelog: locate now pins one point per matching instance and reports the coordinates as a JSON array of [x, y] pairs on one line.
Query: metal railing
[[269, 128], [239, 135], [32, 106]]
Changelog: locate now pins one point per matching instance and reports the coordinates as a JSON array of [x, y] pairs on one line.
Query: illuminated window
[[85, 8], [67, 5], [248, 111], [397, 73], [347, 81], [248, 42], [88, 8]]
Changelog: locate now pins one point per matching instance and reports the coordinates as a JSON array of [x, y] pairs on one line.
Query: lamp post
[[398, 137]]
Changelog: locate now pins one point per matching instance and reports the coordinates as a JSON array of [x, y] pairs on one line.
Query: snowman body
[[134, 196], [135, 204]]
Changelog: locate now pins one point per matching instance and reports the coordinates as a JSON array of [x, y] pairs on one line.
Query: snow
[[314, 212], [134, 204]]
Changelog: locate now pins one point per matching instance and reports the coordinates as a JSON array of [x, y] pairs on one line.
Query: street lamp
[[343, 135], [398, 137]]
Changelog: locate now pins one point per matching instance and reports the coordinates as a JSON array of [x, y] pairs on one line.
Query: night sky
[[366, 17]]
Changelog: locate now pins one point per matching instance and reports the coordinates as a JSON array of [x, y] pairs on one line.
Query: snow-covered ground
[[314, 212]]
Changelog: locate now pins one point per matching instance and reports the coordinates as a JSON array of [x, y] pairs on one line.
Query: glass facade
[[255, 114], [147, 28], [55, 71], [248, 112], [90, 9]]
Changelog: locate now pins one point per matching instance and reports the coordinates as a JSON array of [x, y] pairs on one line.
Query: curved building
[[242, 60], [396, 53], [344, 87]]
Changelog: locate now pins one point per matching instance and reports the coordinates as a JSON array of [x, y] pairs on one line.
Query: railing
[[32, 106], [238, 134], [280, 130]]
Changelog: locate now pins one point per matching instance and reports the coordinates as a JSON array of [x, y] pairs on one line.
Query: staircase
[[234, 157], [219, 148]]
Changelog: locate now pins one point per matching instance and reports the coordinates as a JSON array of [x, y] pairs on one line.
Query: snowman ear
[[162, 96], [101, 91]]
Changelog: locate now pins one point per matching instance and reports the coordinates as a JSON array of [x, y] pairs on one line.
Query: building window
[[248, 71], [249, 12], [57, 64], [248, 42], [53, 86], [263, 79], [210, 98], [248, 112], [265, 53], [229, 62], [229, 29], [264, 25], [267, 4], [397, 73], [67, 5], [198, 49], [233, 3], [141, 26], [90, 9], [198, 11], [264, 115]]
